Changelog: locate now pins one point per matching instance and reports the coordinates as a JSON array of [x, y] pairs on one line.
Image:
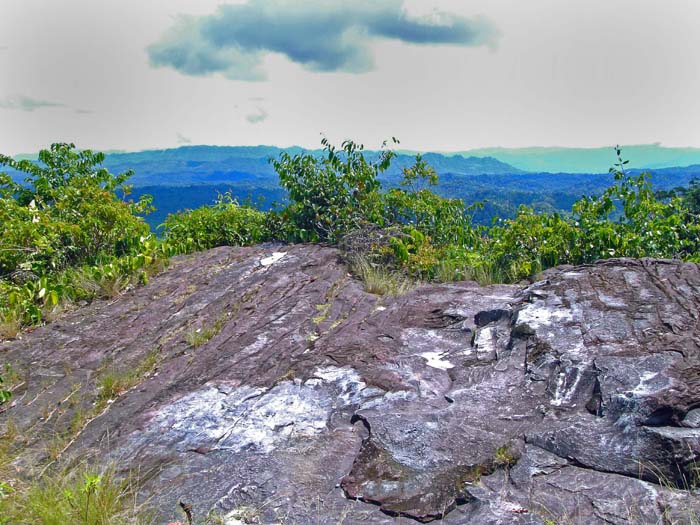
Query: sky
[[442, 75]]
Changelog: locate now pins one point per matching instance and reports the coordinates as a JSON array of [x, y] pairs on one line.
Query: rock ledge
[[573, 400]]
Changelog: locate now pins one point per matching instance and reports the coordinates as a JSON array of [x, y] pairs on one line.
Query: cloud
[[81, 111], [186, 49], [256, 118], [22, 103], [4, 48], [181, 139], [321, 35]]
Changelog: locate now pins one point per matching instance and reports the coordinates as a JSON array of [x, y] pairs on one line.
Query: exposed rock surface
[[573, 400]]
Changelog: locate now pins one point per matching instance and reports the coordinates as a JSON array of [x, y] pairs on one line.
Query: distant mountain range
[[251, 165], [544, 178], [589, 160]]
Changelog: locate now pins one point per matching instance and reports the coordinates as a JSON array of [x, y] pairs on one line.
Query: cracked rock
[[572, 400]]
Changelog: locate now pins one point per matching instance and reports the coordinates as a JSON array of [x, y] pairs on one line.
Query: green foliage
[[5, 395], [690, 196], [505, 456], [339, 195], [226, 223], [332, 195], [432, 237], [525, 246], [66, 222], [627, 220], [445, 221], [83, 497], [67, 214], [66, 235]]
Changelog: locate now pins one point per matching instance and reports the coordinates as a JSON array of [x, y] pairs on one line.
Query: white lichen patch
[[485, 340], [437, 360], [538, 314], [389, 398], [256, 346], [649, 383], [567, 382], [612, 302], [677, 432], [272, 259], [571, 275], [226, 417], [349, 387], [422, 340]]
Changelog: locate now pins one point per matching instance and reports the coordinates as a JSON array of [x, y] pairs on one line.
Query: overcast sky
[[439, 75]]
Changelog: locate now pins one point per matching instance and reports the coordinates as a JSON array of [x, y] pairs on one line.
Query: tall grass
[[380, 280], [80, 496]]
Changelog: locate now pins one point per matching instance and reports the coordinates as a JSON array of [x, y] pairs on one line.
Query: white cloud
[[24, 103], [259, 116], [320, 35], [181, 139]]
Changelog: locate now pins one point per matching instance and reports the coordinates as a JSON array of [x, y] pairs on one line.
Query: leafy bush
[[68, 213], [66, 235], [67, 221], [339, 197], [627, 220], [333, 195], [430, 237], [445, 221], [226, 223]]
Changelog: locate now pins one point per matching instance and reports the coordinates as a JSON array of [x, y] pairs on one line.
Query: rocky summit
[[266, 386]]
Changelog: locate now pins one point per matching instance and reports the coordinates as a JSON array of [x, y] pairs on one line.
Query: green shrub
[[444, 221], [68, 213], [226, 223], [333, 195], [522, 247], [67, 222], [627, 220]]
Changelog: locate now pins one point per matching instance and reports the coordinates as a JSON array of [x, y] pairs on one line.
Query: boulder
[[266, 386]]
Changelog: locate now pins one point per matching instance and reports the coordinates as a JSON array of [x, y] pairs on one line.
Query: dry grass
[[114, 382], [10, 324], [97, 282], [483, 274], [380, 280]]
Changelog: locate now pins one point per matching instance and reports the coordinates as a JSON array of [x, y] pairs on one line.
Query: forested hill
[[220, 164], [192, 176]]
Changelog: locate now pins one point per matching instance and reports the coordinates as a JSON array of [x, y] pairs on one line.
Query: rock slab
[[573, 400]]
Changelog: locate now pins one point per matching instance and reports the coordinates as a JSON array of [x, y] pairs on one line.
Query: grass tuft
[[104, 282], [203, 334], [505, 456], [10, 323], [81, 496], [380, 280], [114, 383]]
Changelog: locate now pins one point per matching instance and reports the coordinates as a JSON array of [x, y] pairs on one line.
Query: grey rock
[[572, 400]]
